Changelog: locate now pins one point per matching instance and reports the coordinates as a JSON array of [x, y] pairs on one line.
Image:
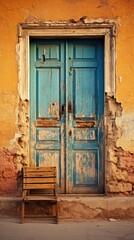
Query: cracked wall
[[21, 144], [119, 112], [119, 163], [17, 155]]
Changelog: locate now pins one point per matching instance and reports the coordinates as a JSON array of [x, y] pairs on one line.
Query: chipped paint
[[47, 123], [53, 110], [48, 135], [85, 134], [45, 108], [49, 158], [85, 124], [85, 167]]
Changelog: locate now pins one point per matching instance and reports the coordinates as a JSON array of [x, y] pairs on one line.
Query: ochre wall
[[13, 12]]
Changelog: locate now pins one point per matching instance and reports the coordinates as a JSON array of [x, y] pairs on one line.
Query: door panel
[[47, 97], [67, 105], [48, 93], [85, 167], [84, 93], [85, 120]]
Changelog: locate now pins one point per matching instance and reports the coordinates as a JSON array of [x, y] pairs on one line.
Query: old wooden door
[[66, 111]]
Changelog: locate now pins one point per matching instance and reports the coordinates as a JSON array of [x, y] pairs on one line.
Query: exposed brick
[[126, 163], [119, 187], [131, 178], [8, 174]]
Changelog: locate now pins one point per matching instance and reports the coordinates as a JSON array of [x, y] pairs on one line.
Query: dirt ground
[[11, 228]]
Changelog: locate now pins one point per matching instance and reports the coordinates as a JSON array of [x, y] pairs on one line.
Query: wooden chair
[[39, 184]]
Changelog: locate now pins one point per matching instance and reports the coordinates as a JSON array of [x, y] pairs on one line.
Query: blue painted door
[[66, 111]]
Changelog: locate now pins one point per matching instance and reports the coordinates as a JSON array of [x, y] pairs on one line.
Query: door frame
[[62, 30], [46, 30]]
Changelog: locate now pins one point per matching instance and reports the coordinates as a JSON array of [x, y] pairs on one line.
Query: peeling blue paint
[[67, 106]]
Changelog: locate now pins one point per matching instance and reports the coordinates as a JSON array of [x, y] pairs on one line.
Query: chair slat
[[38, 186], [39, 180], [39, 174], [40, 198], [44, 169]]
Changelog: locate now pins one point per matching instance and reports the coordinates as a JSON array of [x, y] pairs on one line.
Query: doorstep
[[78, 207]]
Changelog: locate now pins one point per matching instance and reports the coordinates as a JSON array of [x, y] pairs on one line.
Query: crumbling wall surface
[[96, 207], [8, 174], [20, 145], [119, 163], [8, 170], [17, 155]]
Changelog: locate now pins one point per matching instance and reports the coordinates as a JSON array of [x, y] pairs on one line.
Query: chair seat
[[40, 198]]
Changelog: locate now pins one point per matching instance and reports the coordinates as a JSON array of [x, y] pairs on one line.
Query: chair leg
[[23, 211], [57, 213]]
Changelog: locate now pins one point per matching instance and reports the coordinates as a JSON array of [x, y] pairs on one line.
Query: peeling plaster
[[126, 124], [16, 137], [19, 145], [119, 178]]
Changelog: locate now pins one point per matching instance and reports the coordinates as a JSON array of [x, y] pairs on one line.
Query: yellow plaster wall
[[14, 11]]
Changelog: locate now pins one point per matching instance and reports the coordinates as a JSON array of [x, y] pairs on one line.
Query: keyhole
[[43, 58], [70, 132]]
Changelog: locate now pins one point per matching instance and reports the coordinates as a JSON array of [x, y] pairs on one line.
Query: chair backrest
[[39, 177]]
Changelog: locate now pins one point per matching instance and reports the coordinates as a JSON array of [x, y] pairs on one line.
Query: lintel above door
[[47, 29]]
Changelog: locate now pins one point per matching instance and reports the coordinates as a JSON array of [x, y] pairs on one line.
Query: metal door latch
[[70, 132]]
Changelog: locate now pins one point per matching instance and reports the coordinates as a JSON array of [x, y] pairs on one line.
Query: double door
[[66, 111]]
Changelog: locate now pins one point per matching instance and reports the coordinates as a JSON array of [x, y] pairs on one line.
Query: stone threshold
[[78, 207]]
